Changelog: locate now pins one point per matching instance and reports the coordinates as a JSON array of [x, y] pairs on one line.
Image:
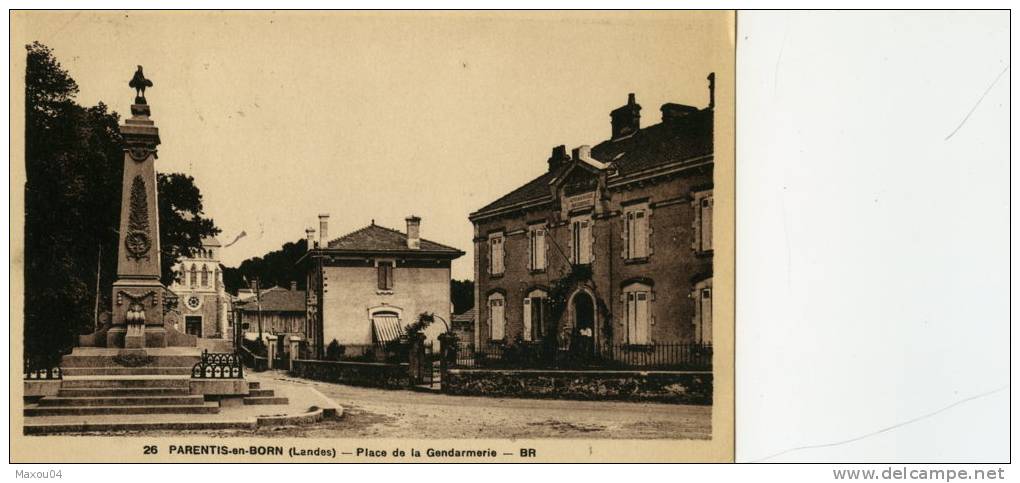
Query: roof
[[276, 299], [656, 145], [211, 241], [467, 316], [375, 238]]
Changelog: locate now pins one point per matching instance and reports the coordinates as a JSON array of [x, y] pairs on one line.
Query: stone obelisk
[[138, 295]]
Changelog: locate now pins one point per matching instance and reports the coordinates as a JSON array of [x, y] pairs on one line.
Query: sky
[[375, 116]]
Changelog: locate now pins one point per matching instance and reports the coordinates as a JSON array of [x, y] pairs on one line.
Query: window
[[497, 317], [536, 247], [384, 271], [703, 311], [205, 276], [497, 254], [635, 232], [637, 298], [703, 203], [194, 276], [385, 325], [535, 315], [580, 240]]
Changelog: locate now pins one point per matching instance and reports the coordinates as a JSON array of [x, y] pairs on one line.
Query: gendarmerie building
[[633, 213]]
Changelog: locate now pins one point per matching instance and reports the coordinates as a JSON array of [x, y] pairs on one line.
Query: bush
[[334, 351]]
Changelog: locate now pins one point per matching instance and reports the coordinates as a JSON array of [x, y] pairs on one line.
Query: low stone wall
[[369, 374], [37, 388], [677, 387], [219, 387]]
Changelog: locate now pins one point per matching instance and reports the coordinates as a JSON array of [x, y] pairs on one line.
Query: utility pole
[[258, 306], [99, 271]]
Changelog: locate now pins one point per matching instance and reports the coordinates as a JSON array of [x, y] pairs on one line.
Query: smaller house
[[281, 311], [366, 286], [463, 324]]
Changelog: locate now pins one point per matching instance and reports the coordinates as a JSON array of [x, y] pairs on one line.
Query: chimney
[[310, 237], [293, 285], [672, 112], [582, 152], [323, 230], [413, 232], [626, 119], [711, 90], [558, 158]]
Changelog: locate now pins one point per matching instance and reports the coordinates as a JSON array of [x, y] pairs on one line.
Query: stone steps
[[265, 400], [204, 408], [124, 382], [260, 392], [84, 427], [122, 391], [81, 361], [128, 371], [187, 400]]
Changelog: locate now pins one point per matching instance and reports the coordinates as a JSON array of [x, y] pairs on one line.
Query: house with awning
[[366, 286]]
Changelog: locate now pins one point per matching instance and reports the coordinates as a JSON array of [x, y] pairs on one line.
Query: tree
[[278, 267], [181, 225], [73, 165], [462, 294]]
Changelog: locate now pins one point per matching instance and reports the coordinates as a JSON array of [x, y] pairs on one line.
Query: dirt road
[[380, 413]]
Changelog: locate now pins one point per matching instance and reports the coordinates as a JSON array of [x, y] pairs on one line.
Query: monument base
[[152, 336]]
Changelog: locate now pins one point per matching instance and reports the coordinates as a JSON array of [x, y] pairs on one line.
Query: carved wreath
[[137, 241], [139, 153]]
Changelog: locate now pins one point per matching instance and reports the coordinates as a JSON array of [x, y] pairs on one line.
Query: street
[[382, 413]]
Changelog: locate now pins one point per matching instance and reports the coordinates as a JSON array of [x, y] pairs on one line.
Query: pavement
[[388, 413]]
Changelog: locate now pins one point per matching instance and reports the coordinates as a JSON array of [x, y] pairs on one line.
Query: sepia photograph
[[352, 228], [248, 243]]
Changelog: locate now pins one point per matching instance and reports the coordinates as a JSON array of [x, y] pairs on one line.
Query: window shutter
[[540, 249], [591, 242], [501, 266], [498, 323], [573, 242], [631, 318], [488, 266], [706, 315], [641, 235], [584, 242], [642, 317], [530, 250], [706, 223], [526, 332], [626, 234]]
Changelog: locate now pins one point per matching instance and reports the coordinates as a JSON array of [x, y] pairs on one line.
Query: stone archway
[[580, 329]]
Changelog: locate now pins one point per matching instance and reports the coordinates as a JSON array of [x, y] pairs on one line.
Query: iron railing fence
[[537, 355]]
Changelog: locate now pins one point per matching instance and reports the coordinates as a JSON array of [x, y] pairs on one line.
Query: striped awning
[[386, 328]]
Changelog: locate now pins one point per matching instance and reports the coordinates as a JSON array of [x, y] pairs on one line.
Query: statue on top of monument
[[139, 83]]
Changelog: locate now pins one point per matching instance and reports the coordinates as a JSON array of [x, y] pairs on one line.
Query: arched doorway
[[583, 339]]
